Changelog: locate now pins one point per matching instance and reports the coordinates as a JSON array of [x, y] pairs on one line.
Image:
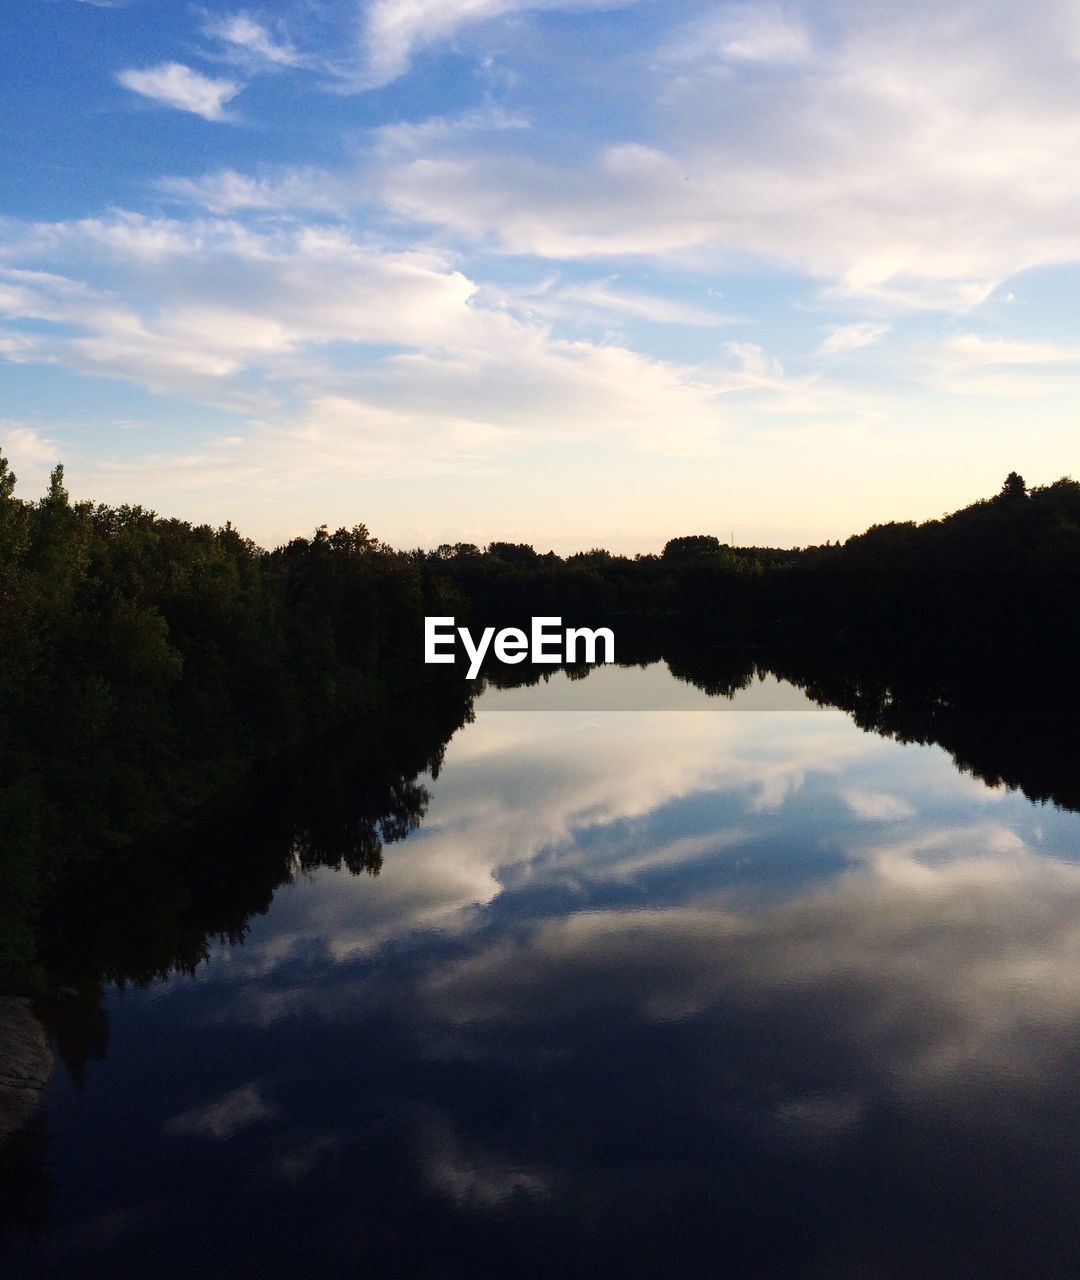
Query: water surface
[[733, 989]]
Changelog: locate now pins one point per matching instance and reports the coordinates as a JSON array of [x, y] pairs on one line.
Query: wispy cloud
[[223, 1117], [395, 30], [179, 86], [346, 190], [877, 806], [850, 337], [974, 365], [972, 349], [295, 190], [599, 299], [741, 33], [253, 39]]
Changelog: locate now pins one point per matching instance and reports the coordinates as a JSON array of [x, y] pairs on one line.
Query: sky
[[572, 272]]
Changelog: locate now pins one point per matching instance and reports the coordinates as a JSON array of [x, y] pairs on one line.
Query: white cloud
[[487, 832], [179, 86], [877, 806], [972, 349], [293, 189], [250, 37], [976, 952], [959, 930], [224, 1116], [598, 299], [361, 359], [30, 454], [961, 933], [24, 443], [119, 238], [741, 33], [395, 30], [904, 163], [226, 191], [44, 295], [850, 337], [972, 365]]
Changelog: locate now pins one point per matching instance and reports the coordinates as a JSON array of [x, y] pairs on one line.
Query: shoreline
[[26, 1064]]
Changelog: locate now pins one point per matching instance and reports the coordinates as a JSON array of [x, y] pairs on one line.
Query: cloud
[[214, 298], [905, 165], [961, 960], [972, 349], [347, 357], [227, 191], [473, 1176], [125, 238], [850, 337], [395, 30], [597, 299], [741, 33], [930, 987], [179, 86], [877, 806], [290, 190], [939, 950], [251, 38], [563, 801], [23, 443], [31, 455], [224, 1117], [972, 365]]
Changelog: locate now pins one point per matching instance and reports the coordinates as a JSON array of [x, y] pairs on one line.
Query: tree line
[[999, 575]]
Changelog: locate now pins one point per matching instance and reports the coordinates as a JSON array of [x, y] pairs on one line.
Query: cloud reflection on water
[[657, 987], [654, 867]]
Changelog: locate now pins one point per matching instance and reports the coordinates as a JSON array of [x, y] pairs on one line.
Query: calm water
[[731, 992]]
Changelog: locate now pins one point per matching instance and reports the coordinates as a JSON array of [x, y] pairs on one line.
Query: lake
[[714, 985]]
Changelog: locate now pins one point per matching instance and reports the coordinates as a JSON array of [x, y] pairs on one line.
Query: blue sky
[[574, 271]]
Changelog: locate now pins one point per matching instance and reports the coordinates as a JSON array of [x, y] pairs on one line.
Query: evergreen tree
[[1014, 487]]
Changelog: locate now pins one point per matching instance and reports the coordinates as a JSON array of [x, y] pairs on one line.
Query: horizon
[[577, 273], [542, 548]]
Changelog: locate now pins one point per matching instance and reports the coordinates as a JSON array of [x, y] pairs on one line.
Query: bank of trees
[[999, 574], [146, 662]]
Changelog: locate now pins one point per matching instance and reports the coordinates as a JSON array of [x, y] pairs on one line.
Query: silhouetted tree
[[518, 553], [688, 548], [1014, 487]]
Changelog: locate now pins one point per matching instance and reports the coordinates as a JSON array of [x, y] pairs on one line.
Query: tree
[[516, 553], [7, 480], [692, 546], [1014, 487]]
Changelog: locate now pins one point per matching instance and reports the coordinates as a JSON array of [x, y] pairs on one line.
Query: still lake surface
[[708, 987]]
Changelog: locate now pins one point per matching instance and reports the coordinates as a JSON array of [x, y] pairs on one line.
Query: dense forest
[[148, 663], [997, 574]]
